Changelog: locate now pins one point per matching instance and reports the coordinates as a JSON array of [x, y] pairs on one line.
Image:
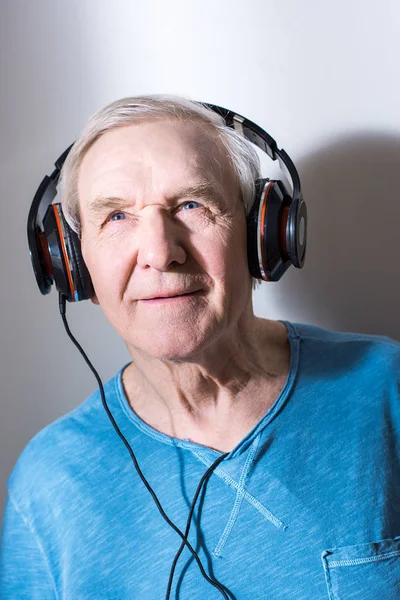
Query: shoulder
[[349, 383], [353, 374], [50, 457], [378, 353]]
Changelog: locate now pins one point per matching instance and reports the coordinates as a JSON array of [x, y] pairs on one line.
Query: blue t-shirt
[[305, 507]]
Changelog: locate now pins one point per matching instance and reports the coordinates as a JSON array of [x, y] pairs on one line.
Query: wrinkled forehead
[[159, 154]]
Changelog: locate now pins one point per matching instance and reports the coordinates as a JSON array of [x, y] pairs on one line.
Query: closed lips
[[169, 295]]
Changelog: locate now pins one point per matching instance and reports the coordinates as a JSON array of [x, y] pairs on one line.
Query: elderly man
[[300, 425]]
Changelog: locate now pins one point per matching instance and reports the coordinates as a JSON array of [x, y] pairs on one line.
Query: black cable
[[188, 523], [62, 307]]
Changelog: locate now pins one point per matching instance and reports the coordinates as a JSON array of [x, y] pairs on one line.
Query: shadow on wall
[[352, 276]]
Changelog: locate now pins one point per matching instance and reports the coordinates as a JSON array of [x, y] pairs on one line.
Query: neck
[[217, 397]]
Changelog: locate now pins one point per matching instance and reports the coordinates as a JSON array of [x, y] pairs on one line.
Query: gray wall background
[[322, 78]]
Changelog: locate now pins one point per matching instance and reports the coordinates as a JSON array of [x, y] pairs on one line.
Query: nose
[[159, 243]]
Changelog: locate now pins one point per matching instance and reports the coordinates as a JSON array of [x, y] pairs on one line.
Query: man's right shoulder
[[51, 456]]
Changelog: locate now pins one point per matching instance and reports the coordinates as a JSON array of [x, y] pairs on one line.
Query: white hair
[[144, 109]]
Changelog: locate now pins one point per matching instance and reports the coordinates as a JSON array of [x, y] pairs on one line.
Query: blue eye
[[119, 216], [189, 204]]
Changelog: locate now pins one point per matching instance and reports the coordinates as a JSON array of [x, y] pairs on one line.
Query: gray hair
[[140, 109]]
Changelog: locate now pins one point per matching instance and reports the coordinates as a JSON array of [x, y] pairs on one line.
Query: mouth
[[177, 297]]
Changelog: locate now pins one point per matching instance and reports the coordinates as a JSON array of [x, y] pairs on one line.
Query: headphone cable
[[185, 542], [188, 523]]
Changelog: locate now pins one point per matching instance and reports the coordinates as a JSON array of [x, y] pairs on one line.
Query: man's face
[[164, 237]]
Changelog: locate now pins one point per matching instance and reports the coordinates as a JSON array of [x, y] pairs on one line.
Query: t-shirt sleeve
[[24, 573]]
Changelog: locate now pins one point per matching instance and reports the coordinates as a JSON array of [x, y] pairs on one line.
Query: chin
[[172, 344]]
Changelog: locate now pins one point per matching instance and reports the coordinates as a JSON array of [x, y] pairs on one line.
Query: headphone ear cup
[[70, 273], [266, 226]]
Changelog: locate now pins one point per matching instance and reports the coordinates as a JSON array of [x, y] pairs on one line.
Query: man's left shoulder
[[361, 351], [380, 354]]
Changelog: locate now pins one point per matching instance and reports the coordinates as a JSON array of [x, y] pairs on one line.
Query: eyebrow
[[102, 205]]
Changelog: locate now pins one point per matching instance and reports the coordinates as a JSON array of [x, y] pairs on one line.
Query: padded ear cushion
[[82, 281], [54, 240], [266, 222], [252, 230]]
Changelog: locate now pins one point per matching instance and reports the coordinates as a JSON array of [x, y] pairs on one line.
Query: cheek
[[224, 256], [106, 267]]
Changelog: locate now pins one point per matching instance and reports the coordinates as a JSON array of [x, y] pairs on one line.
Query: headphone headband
[[263, 140]]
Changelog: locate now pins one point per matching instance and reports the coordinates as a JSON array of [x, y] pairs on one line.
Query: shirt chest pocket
[[363, 572]]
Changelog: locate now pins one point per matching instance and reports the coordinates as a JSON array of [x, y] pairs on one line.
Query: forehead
[[152, 157]]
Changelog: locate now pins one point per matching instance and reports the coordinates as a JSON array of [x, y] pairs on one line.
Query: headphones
[[276, 224]]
